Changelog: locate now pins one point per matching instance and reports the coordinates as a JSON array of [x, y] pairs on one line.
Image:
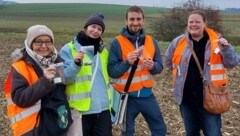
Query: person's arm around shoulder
[[229, 55], [70, 67], [116, 65]]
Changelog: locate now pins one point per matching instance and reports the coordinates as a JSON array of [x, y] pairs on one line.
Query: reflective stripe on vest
[[219, 77], [142, 77], [74, 97], [26, 113], [218, 73], [22, 119], [83, 78], [79, 93], [216, 66], [134, 80]]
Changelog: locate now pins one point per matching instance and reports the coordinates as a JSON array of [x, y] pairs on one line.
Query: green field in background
[[67, 19]]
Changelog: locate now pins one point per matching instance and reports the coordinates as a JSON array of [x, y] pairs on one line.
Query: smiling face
[[94, 31], [42, 45], [196, 26], [134, 22]]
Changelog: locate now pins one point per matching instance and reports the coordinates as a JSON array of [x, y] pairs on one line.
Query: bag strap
[[197, 61], [130, 77]]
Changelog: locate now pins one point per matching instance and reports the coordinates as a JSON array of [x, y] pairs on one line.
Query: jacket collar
[[133, 37]]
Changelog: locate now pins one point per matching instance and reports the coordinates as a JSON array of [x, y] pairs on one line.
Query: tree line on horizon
[[175, 22]]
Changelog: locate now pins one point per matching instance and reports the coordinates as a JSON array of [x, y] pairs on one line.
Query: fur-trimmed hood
[[17, 54]]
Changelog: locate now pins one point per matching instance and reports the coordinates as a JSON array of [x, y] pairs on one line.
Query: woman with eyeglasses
[[37, 105]]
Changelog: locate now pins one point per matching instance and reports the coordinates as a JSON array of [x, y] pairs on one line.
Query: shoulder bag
[[216, 99], [55, 116]]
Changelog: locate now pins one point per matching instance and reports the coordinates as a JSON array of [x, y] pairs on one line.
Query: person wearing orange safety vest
[[215, 54], [132, 44], [36, 106]]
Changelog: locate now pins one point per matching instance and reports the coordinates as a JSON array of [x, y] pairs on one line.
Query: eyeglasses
[[40, 43]]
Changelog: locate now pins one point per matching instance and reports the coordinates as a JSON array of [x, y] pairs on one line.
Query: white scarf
[[43, 62]]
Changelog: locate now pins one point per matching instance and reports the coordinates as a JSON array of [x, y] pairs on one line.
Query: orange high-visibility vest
[[142, 77], [22, 119], [218, 74]]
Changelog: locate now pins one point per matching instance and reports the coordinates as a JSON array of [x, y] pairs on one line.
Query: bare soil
[[162, 90]]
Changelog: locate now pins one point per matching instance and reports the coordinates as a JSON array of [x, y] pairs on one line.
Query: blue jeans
[[149, 108], [196, 118]]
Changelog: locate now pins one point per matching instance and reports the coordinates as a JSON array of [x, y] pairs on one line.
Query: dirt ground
[[162, 90]]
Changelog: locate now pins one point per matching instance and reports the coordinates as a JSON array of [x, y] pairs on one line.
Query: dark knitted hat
[[95, 18]]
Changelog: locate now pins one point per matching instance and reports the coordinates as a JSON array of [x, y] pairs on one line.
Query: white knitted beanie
[[38, 30]]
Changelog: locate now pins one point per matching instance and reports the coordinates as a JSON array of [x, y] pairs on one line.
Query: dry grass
[[162, 90]]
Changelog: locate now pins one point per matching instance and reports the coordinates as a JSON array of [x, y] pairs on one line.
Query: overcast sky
[[160, 3]]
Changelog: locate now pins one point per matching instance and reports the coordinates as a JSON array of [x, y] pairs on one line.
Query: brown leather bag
[[216, 99]]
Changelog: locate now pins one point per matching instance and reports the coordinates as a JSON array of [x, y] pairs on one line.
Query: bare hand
[[132, 57], [148, 63], [50, 73], [223, 42], [79, 56]]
